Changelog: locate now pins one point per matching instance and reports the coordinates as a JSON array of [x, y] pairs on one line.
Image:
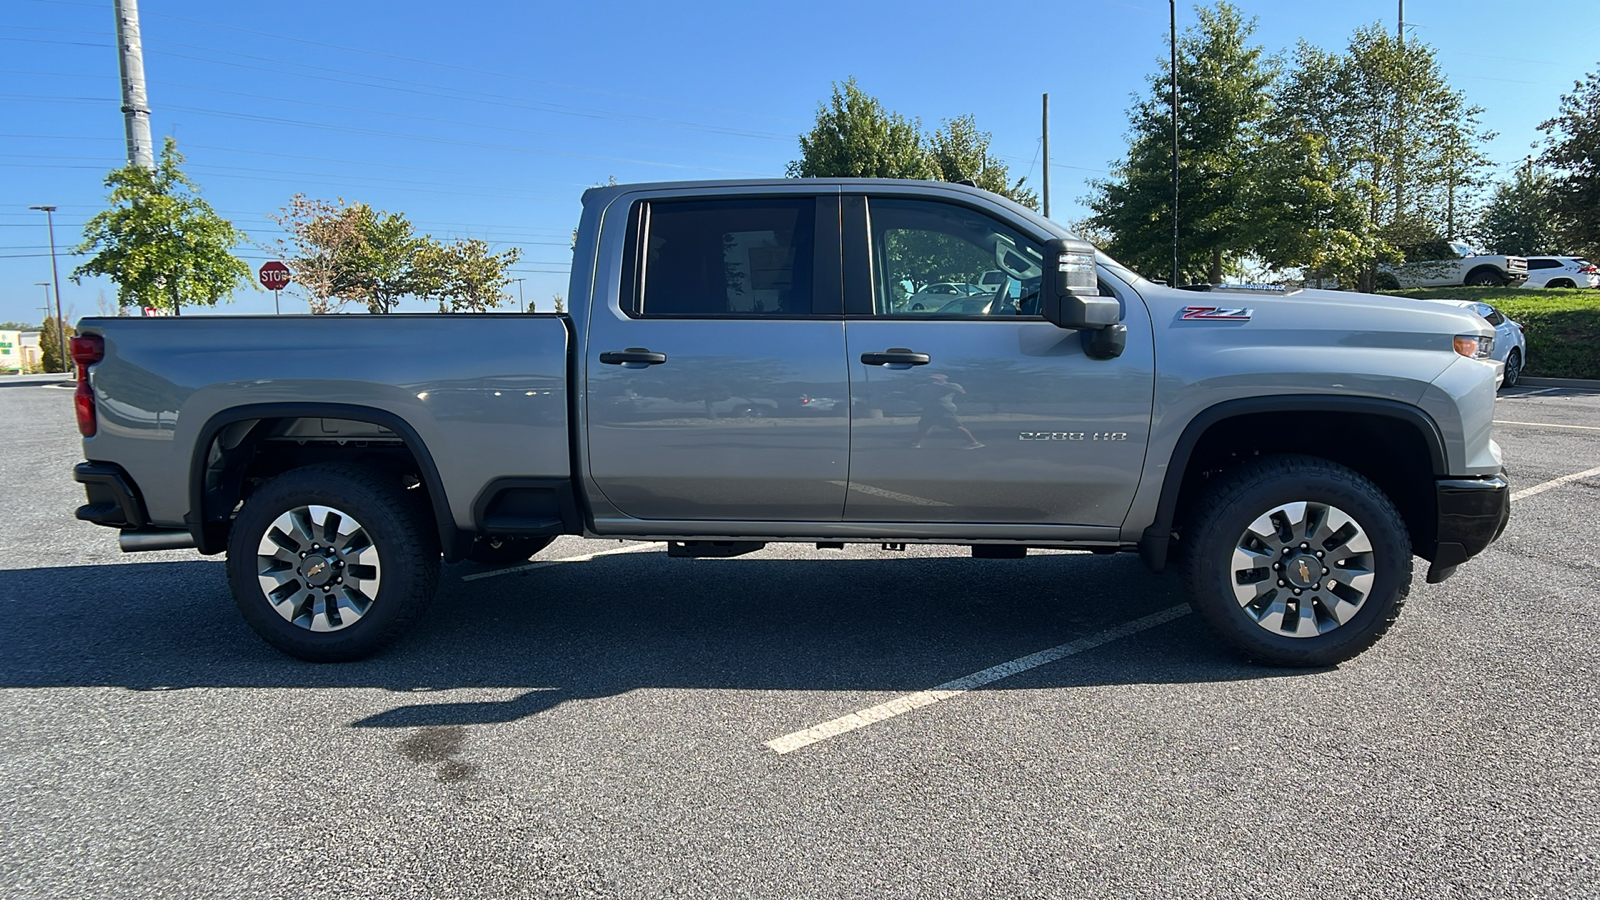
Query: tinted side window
[[712, 258], [939, 259], [1544, 263]]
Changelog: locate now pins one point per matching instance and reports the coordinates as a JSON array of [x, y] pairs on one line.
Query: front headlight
[[1474, 346]]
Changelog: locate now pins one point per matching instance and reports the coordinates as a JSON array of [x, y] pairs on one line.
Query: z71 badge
[[1218, 312]]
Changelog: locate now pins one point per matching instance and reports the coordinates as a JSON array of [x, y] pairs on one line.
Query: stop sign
[[274, 275]]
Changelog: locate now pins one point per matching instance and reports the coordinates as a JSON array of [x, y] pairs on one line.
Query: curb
[[47, 378], [1587, 384]]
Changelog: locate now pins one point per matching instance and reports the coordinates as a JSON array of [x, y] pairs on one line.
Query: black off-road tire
[[1485, 276], [1383, 281], [397, 523], [1218, 525], [500, 551]]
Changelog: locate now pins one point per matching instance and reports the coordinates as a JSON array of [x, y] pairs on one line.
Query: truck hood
[[1316, 315]]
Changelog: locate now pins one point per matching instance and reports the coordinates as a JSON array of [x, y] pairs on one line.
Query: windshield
[[1118, 269]]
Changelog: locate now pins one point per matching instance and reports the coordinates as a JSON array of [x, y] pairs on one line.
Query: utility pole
[[1172, 6], [1401, 31], [1047, 154], [135, 107], [50, 223], [521, 304]]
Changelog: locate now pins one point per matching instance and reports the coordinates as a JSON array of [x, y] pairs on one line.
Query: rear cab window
[[740, 257]]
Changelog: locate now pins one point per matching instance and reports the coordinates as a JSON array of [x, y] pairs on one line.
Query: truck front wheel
[[331, 563], [1485, 276], [1297, 561]]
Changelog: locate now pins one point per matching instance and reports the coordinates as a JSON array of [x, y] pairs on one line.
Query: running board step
[[712, 549]]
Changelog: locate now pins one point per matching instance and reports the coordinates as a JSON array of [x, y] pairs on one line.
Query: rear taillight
[[1589, 270], [87, 349]]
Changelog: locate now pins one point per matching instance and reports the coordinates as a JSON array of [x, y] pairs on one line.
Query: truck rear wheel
[[500, 551], [331, 563], [1297, 561]]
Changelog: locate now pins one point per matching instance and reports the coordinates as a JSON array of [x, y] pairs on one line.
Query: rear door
[[981, 411], [717, 383]]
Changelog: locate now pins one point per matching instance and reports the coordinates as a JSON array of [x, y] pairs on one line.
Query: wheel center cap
[[317, 570], [1303, 571]]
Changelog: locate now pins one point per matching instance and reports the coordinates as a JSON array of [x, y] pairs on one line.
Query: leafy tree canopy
[[160, 243], [855, 137], [351, 253], [1574, 151], [1521, 217]]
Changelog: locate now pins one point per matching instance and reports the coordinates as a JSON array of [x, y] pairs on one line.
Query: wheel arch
[[1489, 268], [1340, 429], [210, 507]]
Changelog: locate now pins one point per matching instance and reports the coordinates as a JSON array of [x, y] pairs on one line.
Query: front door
[[717, 384], [976, 409]]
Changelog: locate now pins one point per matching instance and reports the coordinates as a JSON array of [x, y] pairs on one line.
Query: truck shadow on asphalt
[[618, 623]]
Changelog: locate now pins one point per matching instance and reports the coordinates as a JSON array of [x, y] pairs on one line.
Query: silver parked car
[[1510, 347]]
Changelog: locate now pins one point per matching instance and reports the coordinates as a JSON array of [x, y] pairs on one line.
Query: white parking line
[[631, 548], [1553, 483], [899, 706], [1547, 425], [1533, 393]]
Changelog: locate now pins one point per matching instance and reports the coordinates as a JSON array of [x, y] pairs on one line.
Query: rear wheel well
[[243, 455], [1390, 452]]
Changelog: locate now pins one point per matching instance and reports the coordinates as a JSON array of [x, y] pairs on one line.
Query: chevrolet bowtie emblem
[[312, 572], [1305, 571]]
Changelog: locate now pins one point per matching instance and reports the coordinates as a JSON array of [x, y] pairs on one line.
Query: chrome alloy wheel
[[318, 568], [1302, 569]]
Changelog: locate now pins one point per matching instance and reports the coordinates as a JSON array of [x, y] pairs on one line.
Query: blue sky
[[489, 119]]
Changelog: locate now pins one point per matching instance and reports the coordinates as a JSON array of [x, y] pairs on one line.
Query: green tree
[[855, 137], [51, 356], [1398, 138], [1521, 218], [1223, 109], [1574, 151], [353, 253], [17, 326], [160, 243], [465, 277], [960, 152]]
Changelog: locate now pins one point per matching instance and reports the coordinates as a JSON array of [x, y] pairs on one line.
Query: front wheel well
[[1390, 452]]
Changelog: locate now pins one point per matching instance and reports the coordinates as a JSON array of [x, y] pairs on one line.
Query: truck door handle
[[635, 355], [896, 356]]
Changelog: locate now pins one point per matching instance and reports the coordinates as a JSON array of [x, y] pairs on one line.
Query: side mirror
[[1070, 298]]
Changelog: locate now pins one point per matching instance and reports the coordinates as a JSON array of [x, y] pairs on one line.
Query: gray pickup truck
[[740, 367]]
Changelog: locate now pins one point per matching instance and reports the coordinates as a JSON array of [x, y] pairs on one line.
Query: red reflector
[[88, 349], [83, 404]]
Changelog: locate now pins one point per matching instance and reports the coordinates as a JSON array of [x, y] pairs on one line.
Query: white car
[[1510, 347], [1561, 272], [936, 295]]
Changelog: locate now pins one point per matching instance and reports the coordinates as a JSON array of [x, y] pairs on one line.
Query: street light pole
[[521, 305], [61, 328], [1173, 36]]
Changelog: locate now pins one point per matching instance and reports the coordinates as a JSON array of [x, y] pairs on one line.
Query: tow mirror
[[1071, 298]]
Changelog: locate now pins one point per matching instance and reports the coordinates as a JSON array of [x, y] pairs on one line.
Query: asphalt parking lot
[[612, 726]]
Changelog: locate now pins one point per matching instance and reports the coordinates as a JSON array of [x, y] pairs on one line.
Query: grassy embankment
[[1562, 326]]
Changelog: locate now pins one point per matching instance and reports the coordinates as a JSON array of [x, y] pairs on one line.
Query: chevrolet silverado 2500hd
[[736, 370]]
